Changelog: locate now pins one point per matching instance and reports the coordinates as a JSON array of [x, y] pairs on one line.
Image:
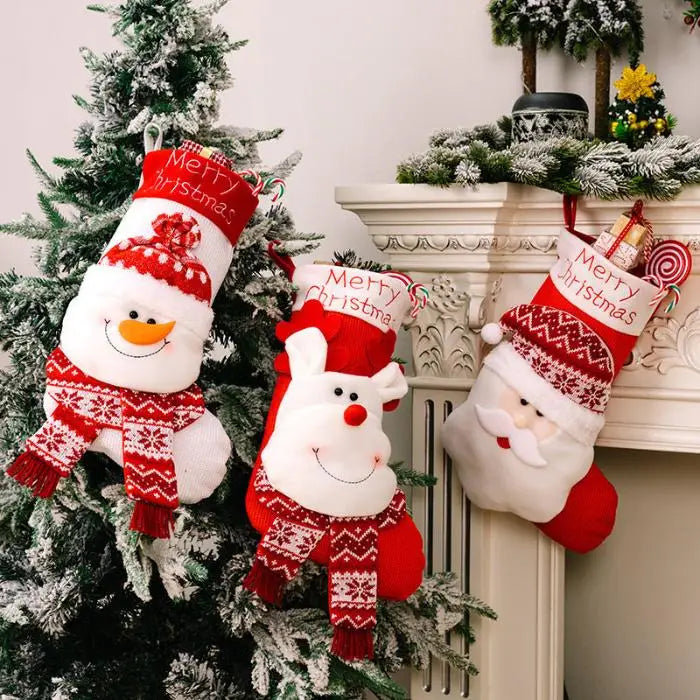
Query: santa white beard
[[495, 478], [328, 466]]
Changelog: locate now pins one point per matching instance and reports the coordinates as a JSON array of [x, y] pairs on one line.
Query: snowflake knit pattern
[[147, 422], [352, 564]]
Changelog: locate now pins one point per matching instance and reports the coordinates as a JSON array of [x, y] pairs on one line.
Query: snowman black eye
[[540, 414], [338, 391], [151, 321], [353, 396], [523, 402], [133, 314]]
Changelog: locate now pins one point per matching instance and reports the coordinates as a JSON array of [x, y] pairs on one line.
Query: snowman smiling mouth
[[315, 450], [126, 354]]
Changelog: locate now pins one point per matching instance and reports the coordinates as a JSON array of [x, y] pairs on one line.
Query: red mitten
[[523, 440], [133, 338], [321, 488]]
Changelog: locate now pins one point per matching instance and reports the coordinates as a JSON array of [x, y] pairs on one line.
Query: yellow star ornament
[[635, 83]]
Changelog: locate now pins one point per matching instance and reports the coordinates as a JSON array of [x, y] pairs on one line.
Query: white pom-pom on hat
[[492, 333]]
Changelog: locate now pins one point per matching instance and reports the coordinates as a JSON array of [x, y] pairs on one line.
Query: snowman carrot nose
[[355, 414], [140, 333]]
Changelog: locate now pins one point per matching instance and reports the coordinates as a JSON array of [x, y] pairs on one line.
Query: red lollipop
[[670, 262]]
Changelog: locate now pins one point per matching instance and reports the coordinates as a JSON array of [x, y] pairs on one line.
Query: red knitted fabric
[[166, 256], [620, 344], [588, 517], [147, 422], [352, 564]]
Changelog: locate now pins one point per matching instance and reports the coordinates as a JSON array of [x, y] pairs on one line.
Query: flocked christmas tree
[[88, 608], [530, 25], [607, 28]]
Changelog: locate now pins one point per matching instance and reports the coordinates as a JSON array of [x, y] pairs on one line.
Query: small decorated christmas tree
[[530, 25], [606, 27], [638, 114]]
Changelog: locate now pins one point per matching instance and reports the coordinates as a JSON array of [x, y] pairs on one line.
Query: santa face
[[328, 451], [125, 338], [509, 456]]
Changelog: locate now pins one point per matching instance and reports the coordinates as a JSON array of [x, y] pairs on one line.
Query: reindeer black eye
[[338, 391], [539, 413], [523, 402], [133, 314], [151, 321], [353, 396]]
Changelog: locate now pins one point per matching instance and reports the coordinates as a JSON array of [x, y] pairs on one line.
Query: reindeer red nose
[[355, 414]]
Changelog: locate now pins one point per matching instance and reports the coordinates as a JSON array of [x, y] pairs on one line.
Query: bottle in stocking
[[523, 440], [121, 380], [322, 488]]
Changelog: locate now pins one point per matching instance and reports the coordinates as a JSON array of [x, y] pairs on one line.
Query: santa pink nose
[[355, 414]]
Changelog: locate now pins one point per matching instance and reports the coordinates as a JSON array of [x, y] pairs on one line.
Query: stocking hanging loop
[[152, 138]]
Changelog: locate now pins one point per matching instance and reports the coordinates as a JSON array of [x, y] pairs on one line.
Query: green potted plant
[[534, 25], [607, 27]]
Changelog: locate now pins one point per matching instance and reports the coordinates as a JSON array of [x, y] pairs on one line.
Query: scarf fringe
[[32, 471], [352, 645], [152, 520], [268, 584]]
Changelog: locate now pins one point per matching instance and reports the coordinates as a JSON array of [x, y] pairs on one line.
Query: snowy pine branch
[[659, 170]]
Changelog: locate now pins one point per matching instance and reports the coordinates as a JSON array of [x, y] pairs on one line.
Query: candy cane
[[259, 184], [419, 297], [271, 182], [664, 291], [417, 293]]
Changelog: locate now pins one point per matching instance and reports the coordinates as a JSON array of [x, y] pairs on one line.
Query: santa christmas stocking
[[523, 440], [132, 342], [321, 488]]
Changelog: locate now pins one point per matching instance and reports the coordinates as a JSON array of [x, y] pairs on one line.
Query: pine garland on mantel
[[485, 154]]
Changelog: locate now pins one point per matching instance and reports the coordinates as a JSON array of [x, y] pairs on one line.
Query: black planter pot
[[544, 115]]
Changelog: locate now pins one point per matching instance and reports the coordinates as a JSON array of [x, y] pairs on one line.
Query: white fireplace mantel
[[480, 252]]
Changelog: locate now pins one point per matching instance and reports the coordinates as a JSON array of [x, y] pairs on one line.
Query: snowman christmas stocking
[[321, 488], [523, 440], [121, 381]]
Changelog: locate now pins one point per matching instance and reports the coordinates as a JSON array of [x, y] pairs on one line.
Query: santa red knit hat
[[557, 363]]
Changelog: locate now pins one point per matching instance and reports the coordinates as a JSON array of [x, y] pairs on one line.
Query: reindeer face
[[328, 450]]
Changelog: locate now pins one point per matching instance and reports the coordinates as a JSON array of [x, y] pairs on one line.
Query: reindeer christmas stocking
[[321, 488], [132, 341], [523, 440]]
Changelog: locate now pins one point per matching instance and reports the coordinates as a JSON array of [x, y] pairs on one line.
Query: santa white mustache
[[523, 442]]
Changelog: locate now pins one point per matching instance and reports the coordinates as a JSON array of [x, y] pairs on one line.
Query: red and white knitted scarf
[[147, 422], [352, 564]]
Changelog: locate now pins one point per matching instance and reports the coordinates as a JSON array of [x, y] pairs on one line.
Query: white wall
[[358, 86]]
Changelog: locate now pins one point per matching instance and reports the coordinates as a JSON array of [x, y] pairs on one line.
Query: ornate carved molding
[[410, 243], [539, 245], [674, 343], [443, 343]]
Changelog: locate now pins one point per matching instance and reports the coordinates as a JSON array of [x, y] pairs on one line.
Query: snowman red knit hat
[[557, 363], [166, 256]]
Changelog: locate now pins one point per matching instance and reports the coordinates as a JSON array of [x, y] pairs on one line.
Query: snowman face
[[127, 339], [328, 451]]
